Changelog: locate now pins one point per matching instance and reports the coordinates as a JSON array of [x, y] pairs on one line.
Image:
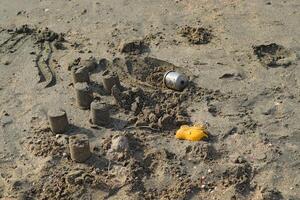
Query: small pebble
[[6, 62], [270, 145]]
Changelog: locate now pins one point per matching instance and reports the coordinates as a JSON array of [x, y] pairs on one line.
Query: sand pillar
[[58, 120], [79, 147], [99, 113], [84, 95], [80, 74], [109, 81]]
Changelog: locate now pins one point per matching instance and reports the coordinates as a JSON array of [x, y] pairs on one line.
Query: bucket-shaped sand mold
[[79, 147], [109, 81], [84, 95], [58, 120], [99, 113], [80, 74]]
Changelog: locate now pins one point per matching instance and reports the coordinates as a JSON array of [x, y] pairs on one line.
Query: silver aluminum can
[[174, 80]]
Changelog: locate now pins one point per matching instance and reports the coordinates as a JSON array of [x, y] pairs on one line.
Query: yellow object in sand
[[192, 133]]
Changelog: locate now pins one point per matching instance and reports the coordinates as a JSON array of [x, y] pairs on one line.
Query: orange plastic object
[[192, 133]]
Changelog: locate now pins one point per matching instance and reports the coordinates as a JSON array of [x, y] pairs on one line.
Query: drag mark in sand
[[42, 62], [16, 41], [11, 38], [13, 43]]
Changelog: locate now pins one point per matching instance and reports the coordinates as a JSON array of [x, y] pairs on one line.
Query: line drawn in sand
[[42, 63], [43, 39]]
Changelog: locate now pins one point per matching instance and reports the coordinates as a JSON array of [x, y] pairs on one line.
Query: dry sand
[[242, 58]]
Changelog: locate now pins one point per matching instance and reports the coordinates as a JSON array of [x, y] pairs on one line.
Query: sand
[[242, 60]]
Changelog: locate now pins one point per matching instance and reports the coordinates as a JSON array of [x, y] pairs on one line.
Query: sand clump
[[239, 175], [135, 47], [273, 55], [196, 35], [271, 193], [42, 142], [90, 64], [42, 35]]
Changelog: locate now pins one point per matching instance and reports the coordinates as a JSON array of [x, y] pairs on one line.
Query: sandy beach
[[241, 59]]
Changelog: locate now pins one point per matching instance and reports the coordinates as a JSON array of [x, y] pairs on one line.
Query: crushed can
[[175, 80]]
